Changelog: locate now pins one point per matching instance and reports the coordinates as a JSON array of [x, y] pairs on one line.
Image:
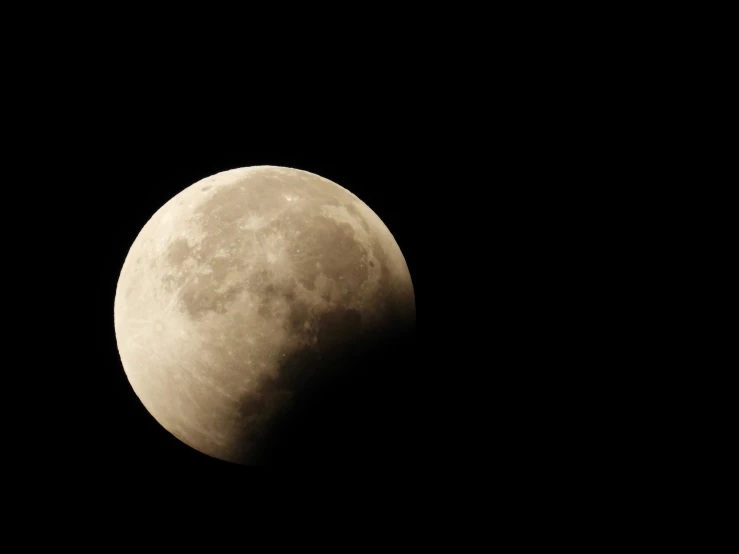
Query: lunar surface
[[244, 289]]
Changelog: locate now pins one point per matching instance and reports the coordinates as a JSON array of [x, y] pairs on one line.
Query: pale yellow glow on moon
[[240, 285]]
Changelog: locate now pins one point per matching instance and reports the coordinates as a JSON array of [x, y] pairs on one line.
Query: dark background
[[110, 175]]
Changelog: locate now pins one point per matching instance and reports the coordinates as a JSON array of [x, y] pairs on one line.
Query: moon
[[244, 290]]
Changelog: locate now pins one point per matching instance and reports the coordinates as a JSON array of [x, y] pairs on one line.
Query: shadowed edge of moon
[[322, 385]]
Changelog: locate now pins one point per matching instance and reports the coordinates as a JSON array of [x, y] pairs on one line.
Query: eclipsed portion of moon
[[242, 289]]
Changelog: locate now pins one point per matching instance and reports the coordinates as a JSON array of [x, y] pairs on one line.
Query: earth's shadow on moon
[[352, 399]]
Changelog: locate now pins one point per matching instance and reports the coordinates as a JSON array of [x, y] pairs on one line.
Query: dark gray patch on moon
[[178, 251]]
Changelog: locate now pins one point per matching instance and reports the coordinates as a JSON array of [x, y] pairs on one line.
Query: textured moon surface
[[244, 289]]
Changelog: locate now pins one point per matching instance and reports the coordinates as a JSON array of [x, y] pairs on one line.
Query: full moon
[[244, 290]]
